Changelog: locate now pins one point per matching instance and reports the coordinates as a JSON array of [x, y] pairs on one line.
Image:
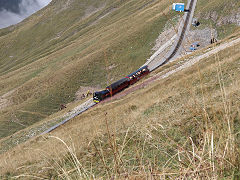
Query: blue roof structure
[[178, 7], [192, 48]]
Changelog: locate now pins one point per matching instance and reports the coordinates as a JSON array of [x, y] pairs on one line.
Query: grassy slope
[[186, 125], [217, 11], [46, 58], [59, 49], [40, 74]]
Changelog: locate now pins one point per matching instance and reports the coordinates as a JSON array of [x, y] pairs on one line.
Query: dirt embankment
[[202, 36], [232, 18], [5, 99]]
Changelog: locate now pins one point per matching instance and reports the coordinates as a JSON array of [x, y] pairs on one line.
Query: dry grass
[[56, 53], [46, 58], [184, 126]]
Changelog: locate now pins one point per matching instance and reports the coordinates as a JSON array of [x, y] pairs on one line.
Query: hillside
[[50, 55], [222, 16], [173, 127], [185, 125]]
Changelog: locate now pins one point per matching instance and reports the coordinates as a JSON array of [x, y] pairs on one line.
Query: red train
[[121, 84]]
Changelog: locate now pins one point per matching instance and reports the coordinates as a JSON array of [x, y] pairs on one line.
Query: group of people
[[83, 96], [86, 95]]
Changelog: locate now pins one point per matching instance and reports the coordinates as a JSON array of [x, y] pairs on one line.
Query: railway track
[[173, 53], [187, 21], [182, 34]]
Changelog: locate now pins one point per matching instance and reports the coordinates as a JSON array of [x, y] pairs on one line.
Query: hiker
[[62, 106]]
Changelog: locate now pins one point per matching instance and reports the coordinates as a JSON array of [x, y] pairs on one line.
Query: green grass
[[57, 50], [185, 117], [184, 126], [47, 72]]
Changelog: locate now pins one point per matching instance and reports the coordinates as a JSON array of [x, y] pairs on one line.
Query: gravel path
[[206, 55], [160, 50], [75, 112]]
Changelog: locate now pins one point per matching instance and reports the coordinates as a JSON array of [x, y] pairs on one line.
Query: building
[[178, 7]]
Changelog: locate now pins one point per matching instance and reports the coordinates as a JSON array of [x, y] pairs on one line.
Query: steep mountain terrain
[[223, 16], [185, 126], [69, 44]]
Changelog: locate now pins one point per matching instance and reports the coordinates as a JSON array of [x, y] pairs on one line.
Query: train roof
[[102, 92], [114, 85], [144, 67]]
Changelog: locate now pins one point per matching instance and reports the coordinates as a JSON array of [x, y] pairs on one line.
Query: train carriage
[[118, 86], [140, 73], [121, 84]]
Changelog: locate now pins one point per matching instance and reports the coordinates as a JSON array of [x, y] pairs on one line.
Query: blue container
[[178, 7]]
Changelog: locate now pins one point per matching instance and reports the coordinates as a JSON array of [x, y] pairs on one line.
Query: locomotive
[[121, 84]]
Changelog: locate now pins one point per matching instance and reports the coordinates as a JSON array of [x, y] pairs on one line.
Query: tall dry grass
[[183, 127], [201, 145]]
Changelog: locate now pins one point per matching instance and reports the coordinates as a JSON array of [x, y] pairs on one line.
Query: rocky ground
[[202, 37], [233, 18]]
